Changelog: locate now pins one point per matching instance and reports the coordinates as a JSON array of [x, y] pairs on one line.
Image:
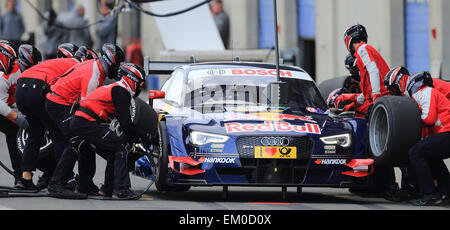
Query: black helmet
[[418, 81], [134, 76], [110, 57], [396, 80], [350, 65], [84, 53], [28, 56], [7, 55], [355, 33], [66, 50]]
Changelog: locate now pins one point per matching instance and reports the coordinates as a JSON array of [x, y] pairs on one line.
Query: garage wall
[[383, 20]]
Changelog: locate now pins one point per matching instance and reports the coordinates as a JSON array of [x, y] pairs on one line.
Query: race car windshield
[[228, 93]]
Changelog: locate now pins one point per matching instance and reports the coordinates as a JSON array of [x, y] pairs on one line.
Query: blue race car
[[221, 125]]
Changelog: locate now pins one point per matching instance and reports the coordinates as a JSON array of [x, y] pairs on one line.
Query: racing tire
[[394, 127], [327, 86], [45, 150], [143, 117], [161, 164]]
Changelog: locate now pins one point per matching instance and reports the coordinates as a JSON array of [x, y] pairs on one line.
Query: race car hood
[[283, 122]]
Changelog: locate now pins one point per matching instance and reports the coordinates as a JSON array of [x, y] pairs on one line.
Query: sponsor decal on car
[[221, 160], [270, 116], [329, 148], [330, 161], [261, 72], [275, 152], [217, 146], [268, 126]]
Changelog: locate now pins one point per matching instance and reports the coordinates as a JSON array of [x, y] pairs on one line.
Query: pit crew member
[[33, 85], [11, 119], [371, 65], [426, 157], [65, 94], [108, 101]]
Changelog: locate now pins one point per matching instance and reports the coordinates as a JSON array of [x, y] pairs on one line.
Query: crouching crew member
[[426, 157], [11, 120], [33, 85], [111, 101], [67, 91]]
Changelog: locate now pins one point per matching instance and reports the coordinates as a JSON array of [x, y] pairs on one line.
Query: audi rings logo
[[275, 141], [216, 72]]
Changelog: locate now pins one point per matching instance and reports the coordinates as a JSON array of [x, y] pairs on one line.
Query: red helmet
[[28, 56], [7, 56], [134, 76], [66, 50], [396, 80], [354, 34]]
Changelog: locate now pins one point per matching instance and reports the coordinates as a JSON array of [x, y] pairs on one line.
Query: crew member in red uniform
[[11, 118], [67, 91], [371, 65], [111, 101], [397, 78], [33, 84], [372, 70], [426, 157]]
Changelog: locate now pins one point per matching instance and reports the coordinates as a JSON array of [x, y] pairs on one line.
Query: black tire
[[143, 117], [161, 164], [327, 86], [45, 150], [395, 126]]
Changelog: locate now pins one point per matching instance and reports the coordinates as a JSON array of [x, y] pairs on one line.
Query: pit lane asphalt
[[205, 198]]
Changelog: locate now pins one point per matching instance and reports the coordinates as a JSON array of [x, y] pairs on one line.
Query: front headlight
[[341, 139], [202, 138]]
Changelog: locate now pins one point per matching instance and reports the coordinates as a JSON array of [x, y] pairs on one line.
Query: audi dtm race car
[[220, 125]]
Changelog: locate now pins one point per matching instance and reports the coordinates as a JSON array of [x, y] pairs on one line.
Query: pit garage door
[[265, 27], [417, 35]]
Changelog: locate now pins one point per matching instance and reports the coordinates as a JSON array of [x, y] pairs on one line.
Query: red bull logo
[[272, 127], [267, 116]]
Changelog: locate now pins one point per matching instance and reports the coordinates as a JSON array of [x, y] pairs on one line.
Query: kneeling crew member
[[104, 103], [426, 157], [76, 85]]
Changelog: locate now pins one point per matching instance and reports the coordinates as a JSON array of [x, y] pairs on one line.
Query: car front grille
[[245, 145]]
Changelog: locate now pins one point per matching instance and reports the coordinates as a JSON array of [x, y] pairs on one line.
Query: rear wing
[[162, 67]]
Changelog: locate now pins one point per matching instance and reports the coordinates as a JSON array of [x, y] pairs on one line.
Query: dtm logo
[[330, 161]]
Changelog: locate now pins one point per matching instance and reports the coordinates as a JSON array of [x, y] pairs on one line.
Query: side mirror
[[155, 94]]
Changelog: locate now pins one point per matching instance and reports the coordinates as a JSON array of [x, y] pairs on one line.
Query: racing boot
[[92, 190], [42, 182], [58, 190], [26, 185], [104, 191], [124, 194], [429, 199]]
